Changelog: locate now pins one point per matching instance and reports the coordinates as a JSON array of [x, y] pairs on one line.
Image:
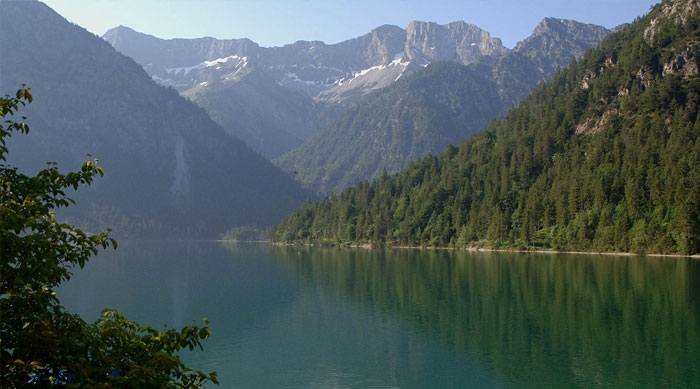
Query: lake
[[286, 317]]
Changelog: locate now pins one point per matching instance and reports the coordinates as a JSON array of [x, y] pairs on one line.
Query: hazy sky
[[278, 22]]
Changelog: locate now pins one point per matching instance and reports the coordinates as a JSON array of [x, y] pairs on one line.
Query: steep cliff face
[[170, 170], [553, 44], [458, 41]]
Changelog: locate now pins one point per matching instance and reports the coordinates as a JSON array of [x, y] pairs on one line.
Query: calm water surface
[[317, 318]]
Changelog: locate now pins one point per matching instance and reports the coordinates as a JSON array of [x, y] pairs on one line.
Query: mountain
[[604, 157], [170, 170], [256, 108], [421, 113], [312, 67], [301, 87], [554, 41], [435, 106], [551, 46]]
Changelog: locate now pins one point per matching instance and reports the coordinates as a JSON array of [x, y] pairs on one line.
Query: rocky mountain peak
[[123, 35], [554, 42], [571, 29], [386, 42], [457, 41], [116, 31], [387, 30]]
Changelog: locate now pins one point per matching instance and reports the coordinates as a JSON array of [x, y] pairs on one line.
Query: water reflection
[[536, 319], [284, 317]]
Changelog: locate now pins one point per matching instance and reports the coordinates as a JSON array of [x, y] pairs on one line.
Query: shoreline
[[369, 246]]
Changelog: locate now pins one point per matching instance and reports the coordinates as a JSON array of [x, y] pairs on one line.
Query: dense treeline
[[604, 157]]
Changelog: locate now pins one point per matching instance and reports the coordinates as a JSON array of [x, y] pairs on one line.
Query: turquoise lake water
[[401, 318]]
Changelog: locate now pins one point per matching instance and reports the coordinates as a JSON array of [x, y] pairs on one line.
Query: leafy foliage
[[604, 157], [42, 344]]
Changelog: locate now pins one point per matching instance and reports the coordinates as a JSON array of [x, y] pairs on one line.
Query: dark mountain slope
[[605, 157], [169, 168]]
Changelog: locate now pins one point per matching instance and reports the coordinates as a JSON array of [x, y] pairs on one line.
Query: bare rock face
[[554, 42], [677, 10], [460, 42], [384, 44]]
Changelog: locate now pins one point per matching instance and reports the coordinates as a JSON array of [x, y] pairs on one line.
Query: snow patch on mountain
[[162, 81], [295, 77], [378, 68], [206, 64]]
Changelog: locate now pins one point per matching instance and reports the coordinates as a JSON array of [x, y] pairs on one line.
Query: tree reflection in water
[[538, 319]]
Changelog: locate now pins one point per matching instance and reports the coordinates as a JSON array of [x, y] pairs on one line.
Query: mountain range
[[434, 106], [334, 115], [296, 99]]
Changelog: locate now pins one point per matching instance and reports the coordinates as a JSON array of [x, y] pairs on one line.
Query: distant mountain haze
[[169, 169], [277, 98]]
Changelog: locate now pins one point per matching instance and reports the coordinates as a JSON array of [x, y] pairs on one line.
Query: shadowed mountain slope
[[169, 168]]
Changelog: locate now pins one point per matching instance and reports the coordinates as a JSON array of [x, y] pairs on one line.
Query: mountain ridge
[[331, 77]]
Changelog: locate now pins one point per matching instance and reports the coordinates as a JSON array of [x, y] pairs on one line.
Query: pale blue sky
[[278, 22]]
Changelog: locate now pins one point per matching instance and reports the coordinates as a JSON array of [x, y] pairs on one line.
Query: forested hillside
[[604, 157]]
